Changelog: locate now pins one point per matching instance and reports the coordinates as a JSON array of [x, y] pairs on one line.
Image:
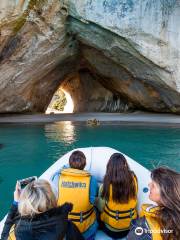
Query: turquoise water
[[30, 149]]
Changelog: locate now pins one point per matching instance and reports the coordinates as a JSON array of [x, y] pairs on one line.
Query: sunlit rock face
[[6, 8], [10, 8], [111, 56], [36, 55]]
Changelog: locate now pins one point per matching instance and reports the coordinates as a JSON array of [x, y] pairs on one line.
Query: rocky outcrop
[[89, 95], [110, 55], [36, 56]]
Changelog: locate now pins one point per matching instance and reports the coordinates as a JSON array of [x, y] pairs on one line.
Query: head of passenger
[[37, 197], [120, 178], [165, 191], [77, 160]]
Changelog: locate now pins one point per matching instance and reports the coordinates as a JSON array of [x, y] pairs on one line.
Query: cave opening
[[103, 68], [86, 91], [61, 102]]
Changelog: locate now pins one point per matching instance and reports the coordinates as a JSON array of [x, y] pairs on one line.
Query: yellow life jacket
[[149, 211], [119, 215], [74, 186], [12, 234]]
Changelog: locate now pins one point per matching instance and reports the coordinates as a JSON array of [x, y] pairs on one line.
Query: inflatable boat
[[97, 158]]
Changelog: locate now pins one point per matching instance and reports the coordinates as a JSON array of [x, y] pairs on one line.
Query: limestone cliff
[[110, 55]]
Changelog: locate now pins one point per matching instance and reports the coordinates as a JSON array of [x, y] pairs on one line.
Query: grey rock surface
[[110, 55]]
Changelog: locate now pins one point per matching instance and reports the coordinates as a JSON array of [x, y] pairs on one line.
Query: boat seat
[[102, 236]]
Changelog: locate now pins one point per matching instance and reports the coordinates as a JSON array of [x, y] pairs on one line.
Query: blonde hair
[[37, 197]]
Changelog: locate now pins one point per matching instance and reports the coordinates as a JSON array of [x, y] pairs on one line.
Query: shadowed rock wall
[[89, 95]]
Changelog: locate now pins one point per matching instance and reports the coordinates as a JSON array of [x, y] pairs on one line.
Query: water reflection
[[61, 131]]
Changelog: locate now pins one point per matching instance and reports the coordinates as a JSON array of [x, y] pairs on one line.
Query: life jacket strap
[[117, 215], [119, 212], [131, 213], [118, 218], [82, 215]]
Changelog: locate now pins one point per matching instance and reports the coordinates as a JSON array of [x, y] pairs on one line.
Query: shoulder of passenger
[[149, 210], [93, 179], [56, 174]]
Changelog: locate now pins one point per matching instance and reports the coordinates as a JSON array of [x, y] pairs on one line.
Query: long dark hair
[[169, 211], [121, 178]]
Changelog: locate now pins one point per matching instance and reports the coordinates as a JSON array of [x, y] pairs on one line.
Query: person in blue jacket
[[73, 184]]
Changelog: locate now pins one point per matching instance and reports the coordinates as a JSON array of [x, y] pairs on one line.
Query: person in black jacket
[[34, 215]]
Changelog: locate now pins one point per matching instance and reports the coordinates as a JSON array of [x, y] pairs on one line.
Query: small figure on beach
[[93, 122]]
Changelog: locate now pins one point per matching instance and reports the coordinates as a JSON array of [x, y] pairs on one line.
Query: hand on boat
[[17, 192]]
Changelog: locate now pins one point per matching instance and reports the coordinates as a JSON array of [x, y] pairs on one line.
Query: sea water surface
[[29, 149]]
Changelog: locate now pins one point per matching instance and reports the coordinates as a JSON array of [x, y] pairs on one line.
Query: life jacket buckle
[[131, 213], [117, 215], [81, 217]]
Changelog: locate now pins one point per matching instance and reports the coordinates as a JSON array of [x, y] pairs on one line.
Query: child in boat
[[117, 197], [160, 221], [77, 186], [34, 215]]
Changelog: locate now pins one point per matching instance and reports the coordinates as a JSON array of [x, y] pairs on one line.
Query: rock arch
[[104, 66]]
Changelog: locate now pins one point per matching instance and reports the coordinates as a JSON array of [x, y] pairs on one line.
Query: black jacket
[[50, 225], [139, 230]]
